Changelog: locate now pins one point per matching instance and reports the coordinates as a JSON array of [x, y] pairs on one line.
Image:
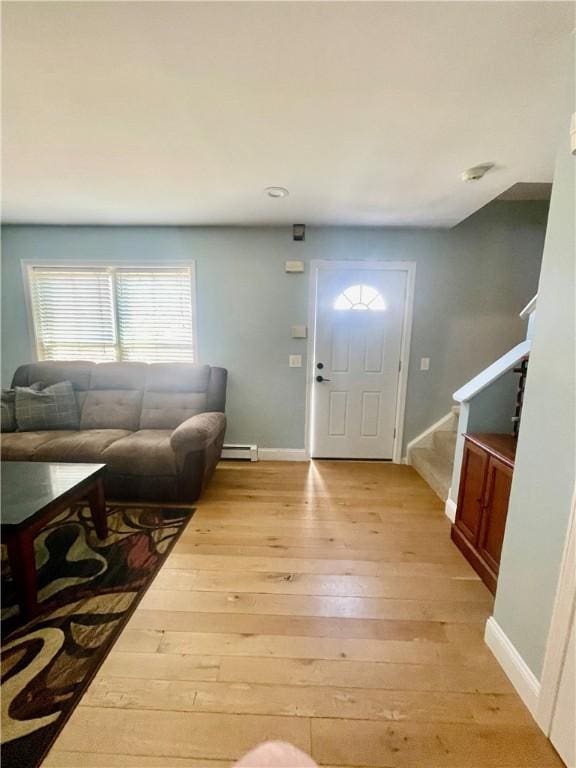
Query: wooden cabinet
[[485, 482]]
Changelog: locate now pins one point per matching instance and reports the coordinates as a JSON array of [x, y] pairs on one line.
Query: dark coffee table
[[32, 494]]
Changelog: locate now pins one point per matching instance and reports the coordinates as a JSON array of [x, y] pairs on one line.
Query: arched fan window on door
[[360, 297]]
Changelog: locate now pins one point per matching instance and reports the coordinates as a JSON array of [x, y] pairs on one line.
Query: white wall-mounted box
[[299, 332], [294, 266]]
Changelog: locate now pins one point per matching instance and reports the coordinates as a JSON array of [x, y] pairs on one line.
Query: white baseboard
[[282, 454], [240, 452], [450, 508], [516, 669]]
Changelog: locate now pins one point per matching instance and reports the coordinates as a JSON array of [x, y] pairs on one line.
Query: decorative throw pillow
[[7, 414], [54, 407]]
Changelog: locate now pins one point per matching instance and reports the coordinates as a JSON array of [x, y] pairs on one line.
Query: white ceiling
[[182, 113]]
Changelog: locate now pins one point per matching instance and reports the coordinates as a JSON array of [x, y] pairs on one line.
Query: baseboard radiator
[[240, 452]]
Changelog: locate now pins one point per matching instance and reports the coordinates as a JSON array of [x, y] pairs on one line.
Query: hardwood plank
[[304, 626], [258, 548], [159, 666], [139, 640], [199, 562], [306, 605], [413, 745], [337, 523], [310, 701], [366, 675], [176, 734], [291, 583], [340, 537], [411, 652]]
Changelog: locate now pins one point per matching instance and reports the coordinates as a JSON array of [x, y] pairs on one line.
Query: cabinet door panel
[[495, 511], [471, 493]]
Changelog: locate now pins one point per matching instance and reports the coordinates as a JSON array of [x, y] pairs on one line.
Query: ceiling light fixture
[[276, 192]]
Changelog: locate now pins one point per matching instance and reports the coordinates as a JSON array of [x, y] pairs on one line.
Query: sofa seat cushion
[[86, 445], [22, 446], [146, 452]]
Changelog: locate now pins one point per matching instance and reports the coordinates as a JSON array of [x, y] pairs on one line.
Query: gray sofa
[[159, 428]]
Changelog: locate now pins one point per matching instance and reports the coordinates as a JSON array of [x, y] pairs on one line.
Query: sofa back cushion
[[134, 396], [114, 398], [174, 392]]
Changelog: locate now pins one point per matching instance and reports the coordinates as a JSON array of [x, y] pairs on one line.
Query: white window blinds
[[108, 313], [154, 315]]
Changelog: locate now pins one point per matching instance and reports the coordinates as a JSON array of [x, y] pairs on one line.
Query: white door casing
[[556, 713], [563, 726], [360, 320]]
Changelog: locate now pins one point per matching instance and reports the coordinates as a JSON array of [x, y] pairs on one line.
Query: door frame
[[563, 615], [318, 265]]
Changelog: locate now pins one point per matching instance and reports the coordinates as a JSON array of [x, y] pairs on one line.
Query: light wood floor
[[321, 604]]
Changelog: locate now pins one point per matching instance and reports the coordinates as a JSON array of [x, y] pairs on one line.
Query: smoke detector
[[276, 192], [477, 172]]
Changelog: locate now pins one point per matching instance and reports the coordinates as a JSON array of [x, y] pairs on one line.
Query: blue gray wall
[[544, 474], [471, 282]]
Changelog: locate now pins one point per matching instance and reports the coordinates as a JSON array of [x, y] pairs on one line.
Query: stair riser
[[444, 443], [437, 477]]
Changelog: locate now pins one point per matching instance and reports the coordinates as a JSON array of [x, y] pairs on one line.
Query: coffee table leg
[[23, 566], [97, 504]]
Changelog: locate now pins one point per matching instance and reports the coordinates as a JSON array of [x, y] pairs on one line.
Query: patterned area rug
[[87, 590]]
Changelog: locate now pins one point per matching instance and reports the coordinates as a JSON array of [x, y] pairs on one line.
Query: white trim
[[424, 439], [562, 618], [529, 308], [243, 452], [450, 508], [24, 266], [516, 669], [493, 372], [282, 454], [399, 266], [27, 265]]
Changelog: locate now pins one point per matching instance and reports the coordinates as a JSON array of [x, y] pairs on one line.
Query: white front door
[[359, 321]]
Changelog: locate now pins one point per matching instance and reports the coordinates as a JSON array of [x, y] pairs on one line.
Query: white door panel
[[359, 316]]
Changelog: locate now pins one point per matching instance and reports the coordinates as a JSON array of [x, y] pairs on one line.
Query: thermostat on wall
[[298, 332], [294, 266]]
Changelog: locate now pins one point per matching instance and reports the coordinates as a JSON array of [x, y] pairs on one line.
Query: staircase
[[433, 457]]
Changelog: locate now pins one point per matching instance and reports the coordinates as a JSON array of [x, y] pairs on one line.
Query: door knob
[[320, 379]]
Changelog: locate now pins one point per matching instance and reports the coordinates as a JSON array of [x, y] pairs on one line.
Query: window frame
[[28, 266]]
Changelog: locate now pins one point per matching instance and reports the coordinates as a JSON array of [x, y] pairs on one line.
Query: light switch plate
[[424, 363], [299, 331], [295, 361]]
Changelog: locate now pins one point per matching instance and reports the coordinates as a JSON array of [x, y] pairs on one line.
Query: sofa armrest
[[197, 432]]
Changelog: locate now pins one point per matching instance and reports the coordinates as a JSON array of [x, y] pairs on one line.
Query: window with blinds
[[113, 313]]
